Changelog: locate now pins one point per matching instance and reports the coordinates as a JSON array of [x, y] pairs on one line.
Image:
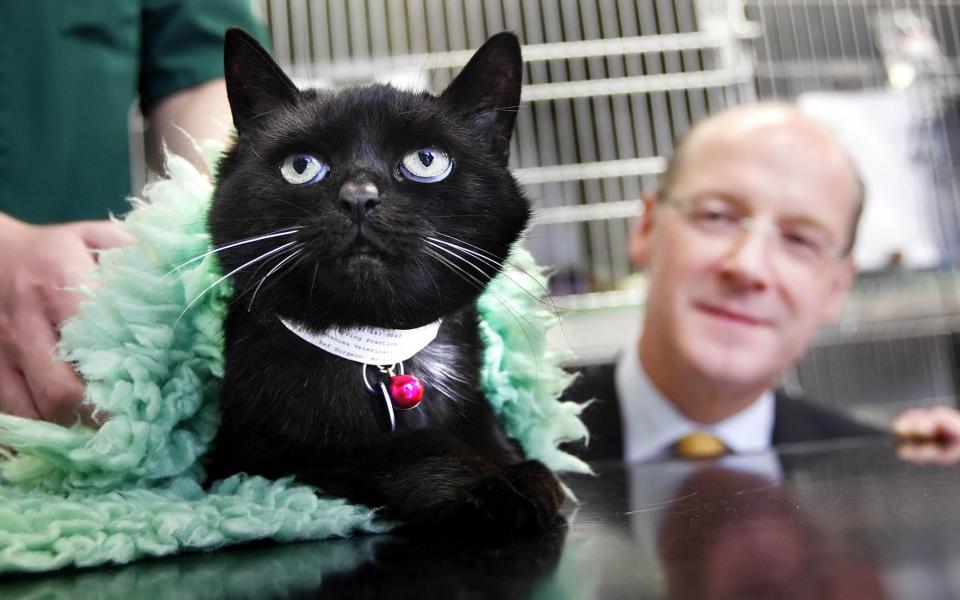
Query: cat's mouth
[[364, 246], [364, 249]]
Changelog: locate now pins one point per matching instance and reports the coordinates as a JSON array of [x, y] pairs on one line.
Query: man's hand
[[929, 435], [37, 266]]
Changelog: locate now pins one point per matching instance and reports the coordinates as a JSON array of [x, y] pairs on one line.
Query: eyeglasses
[[803, 243]]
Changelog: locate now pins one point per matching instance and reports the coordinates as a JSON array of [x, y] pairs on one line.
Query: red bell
[[406, 391]]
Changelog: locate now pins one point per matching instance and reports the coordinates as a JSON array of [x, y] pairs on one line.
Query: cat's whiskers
[[489, 261], [292, 205], [456, 269], [497, 262], [269, 235], [426, 271], [230, 274], [482, 287], [470, 263], [479, 283], [461, 216], [513, 109], [464, 259], [295, 251], [313, 282], [263, 189], [234, 245], [182, 225]]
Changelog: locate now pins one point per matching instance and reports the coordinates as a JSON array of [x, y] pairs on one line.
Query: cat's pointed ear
[[488, 90], [255, 83]]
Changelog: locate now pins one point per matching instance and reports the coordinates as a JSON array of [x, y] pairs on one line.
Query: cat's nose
[[359, 198]]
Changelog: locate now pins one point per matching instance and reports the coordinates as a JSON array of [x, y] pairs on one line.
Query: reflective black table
[[839, 520]]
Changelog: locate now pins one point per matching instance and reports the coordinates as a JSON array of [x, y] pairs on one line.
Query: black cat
[[383, 208]]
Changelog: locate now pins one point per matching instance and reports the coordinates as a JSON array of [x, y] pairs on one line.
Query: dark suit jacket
[[795, 420]]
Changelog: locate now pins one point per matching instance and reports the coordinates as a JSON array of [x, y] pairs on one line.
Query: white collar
[[368, 345], [651, 423]]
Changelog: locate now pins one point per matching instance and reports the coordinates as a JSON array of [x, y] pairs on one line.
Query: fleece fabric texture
[[148, 343]]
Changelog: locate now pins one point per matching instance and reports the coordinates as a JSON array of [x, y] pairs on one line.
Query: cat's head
[[384, 207]]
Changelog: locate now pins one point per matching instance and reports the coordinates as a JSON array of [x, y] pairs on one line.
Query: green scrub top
[[69, 72]]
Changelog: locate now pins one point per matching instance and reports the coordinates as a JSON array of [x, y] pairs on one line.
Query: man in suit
[[746, 247]]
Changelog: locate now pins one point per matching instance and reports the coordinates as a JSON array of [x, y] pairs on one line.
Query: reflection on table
[[820, 521]]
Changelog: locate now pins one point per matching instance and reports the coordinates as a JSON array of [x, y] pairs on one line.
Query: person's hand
[[929, 435], [37, 266]]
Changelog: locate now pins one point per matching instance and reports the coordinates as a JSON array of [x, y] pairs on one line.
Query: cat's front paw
[[538, 483], [524, 499]]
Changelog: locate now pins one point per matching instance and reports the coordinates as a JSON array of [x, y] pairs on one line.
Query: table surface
[[839, 520]]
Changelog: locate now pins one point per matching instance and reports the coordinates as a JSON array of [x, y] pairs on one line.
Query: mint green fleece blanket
[[151, 355]]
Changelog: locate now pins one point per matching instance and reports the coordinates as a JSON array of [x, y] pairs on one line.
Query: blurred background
[[609, 86]]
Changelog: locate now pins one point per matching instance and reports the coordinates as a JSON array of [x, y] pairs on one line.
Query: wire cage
[[884, 76], [610, 84], [608, 87]]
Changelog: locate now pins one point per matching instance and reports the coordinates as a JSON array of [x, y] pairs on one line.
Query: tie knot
[[699, 444]]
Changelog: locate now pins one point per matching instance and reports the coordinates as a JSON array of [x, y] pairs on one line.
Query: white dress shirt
[[651, 424]]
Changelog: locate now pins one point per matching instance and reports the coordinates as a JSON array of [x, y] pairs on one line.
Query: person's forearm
[[9, 226], [201, 112]]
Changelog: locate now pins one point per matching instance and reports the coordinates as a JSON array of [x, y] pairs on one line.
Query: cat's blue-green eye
[[426, 165], [302, 169]]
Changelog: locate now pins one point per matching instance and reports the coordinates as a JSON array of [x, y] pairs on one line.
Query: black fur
[[290, 408]]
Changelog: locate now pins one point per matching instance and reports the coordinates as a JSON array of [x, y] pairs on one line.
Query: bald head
[[746, 258], [779, 129]]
